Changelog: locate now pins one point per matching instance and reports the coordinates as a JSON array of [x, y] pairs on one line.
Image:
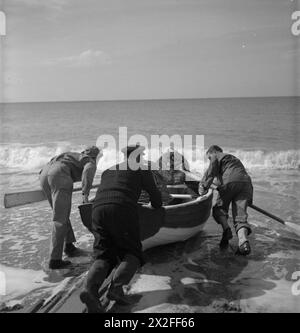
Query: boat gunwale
[[197, 200]]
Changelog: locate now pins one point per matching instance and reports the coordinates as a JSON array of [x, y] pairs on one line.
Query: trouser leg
[[116, 233], [221, 219], [96, 276], [125, 271], [220, 211], [104, 251], [239, 208], [43, 177], [70, 236], [240, 216], [58, 235], [58, 185], [62, 200], [122, 276], [58, 228], [220, 214]]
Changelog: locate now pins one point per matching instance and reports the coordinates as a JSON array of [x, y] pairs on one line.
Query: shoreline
[[195, 277]]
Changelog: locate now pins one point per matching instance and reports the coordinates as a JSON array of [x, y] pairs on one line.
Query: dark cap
[[129, 149], [214, 149], [92, 151]]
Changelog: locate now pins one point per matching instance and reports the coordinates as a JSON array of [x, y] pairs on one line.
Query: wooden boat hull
[[168, 224], [178, 223]]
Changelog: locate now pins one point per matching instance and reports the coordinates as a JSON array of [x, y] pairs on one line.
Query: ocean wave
[[28, 158], [20, 157], [286, 160]]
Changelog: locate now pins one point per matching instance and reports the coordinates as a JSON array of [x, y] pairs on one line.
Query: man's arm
[[210, 174], [185, 164], [87, 178], [149, 185]]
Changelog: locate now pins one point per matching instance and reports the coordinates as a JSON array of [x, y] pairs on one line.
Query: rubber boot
[[123, 275]]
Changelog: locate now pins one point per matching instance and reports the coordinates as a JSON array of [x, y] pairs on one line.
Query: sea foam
[[29, 158]]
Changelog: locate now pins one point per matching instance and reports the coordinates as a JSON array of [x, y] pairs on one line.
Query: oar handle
[[267, 213], [260, 210]]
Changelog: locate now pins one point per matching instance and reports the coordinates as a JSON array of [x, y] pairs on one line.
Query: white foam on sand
[[85, 239], [189, 281], [17, 282], [145, 283], [279, 299]]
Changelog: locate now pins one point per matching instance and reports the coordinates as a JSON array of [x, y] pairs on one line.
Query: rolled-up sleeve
[[88, 175], [210, 173]]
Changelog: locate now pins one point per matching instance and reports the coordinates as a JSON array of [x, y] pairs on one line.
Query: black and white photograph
[[149, 159]]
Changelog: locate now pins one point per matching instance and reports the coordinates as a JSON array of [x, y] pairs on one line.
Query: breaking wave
[[28, 158]]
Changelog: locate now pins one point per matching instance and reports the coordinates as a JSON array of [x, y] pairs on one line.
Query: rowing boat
[[184, 217]]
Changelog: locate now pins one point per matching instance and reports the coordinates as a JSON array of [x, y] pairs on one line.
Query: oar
[[267, 213], [292, 225], [27, 197]]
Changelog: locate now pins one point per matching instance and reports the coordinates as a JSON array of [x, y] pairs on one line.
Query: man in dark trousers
[[115, 227], [56, 180], [235, 187]]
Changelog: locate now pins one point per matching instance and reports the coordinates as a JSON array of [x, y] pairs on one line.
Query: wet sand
[[192, 276], [195, 277]]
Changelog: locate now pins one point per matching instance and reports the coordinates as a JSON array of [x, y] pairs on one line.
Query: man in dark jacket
[[173, 165], [235, 187], [56, 180], [116, 228]]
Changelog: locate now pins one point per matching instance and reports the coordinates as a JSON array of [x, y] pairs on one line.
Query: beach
[[186, 277], [192, 276]]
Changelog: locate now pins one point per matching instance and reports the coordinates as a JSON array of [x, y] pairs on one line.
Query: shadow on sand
[[201, 278]]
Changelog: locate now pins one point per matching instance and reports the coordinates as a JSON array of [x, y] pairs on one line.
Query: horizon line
[[149, 99]]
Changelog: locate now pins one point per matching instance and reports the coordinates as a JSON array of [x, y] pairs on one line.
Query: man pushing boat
[[172, 166], [235, 188], [116, 229], [56, 180]]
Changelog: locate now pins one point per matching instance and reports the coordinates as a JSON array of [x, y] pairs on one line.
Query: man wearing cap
[[56, 180], [115, 227], [173, 165], [235, 188]]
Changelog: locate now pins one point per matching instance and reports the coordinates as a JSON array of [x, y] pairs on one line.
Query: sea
[[262, 132]]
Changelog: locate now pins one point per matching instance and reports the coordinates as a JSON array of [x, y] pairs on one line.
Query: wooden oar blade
[[28, 197], [23, 198], [294, 227]]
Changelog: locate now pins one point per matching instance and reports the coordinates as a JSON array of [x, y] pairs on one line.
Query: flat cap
[[92, 151]]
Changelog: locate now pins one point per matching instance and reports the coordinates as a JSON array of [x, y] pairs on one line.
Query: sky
[[63, 50]]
